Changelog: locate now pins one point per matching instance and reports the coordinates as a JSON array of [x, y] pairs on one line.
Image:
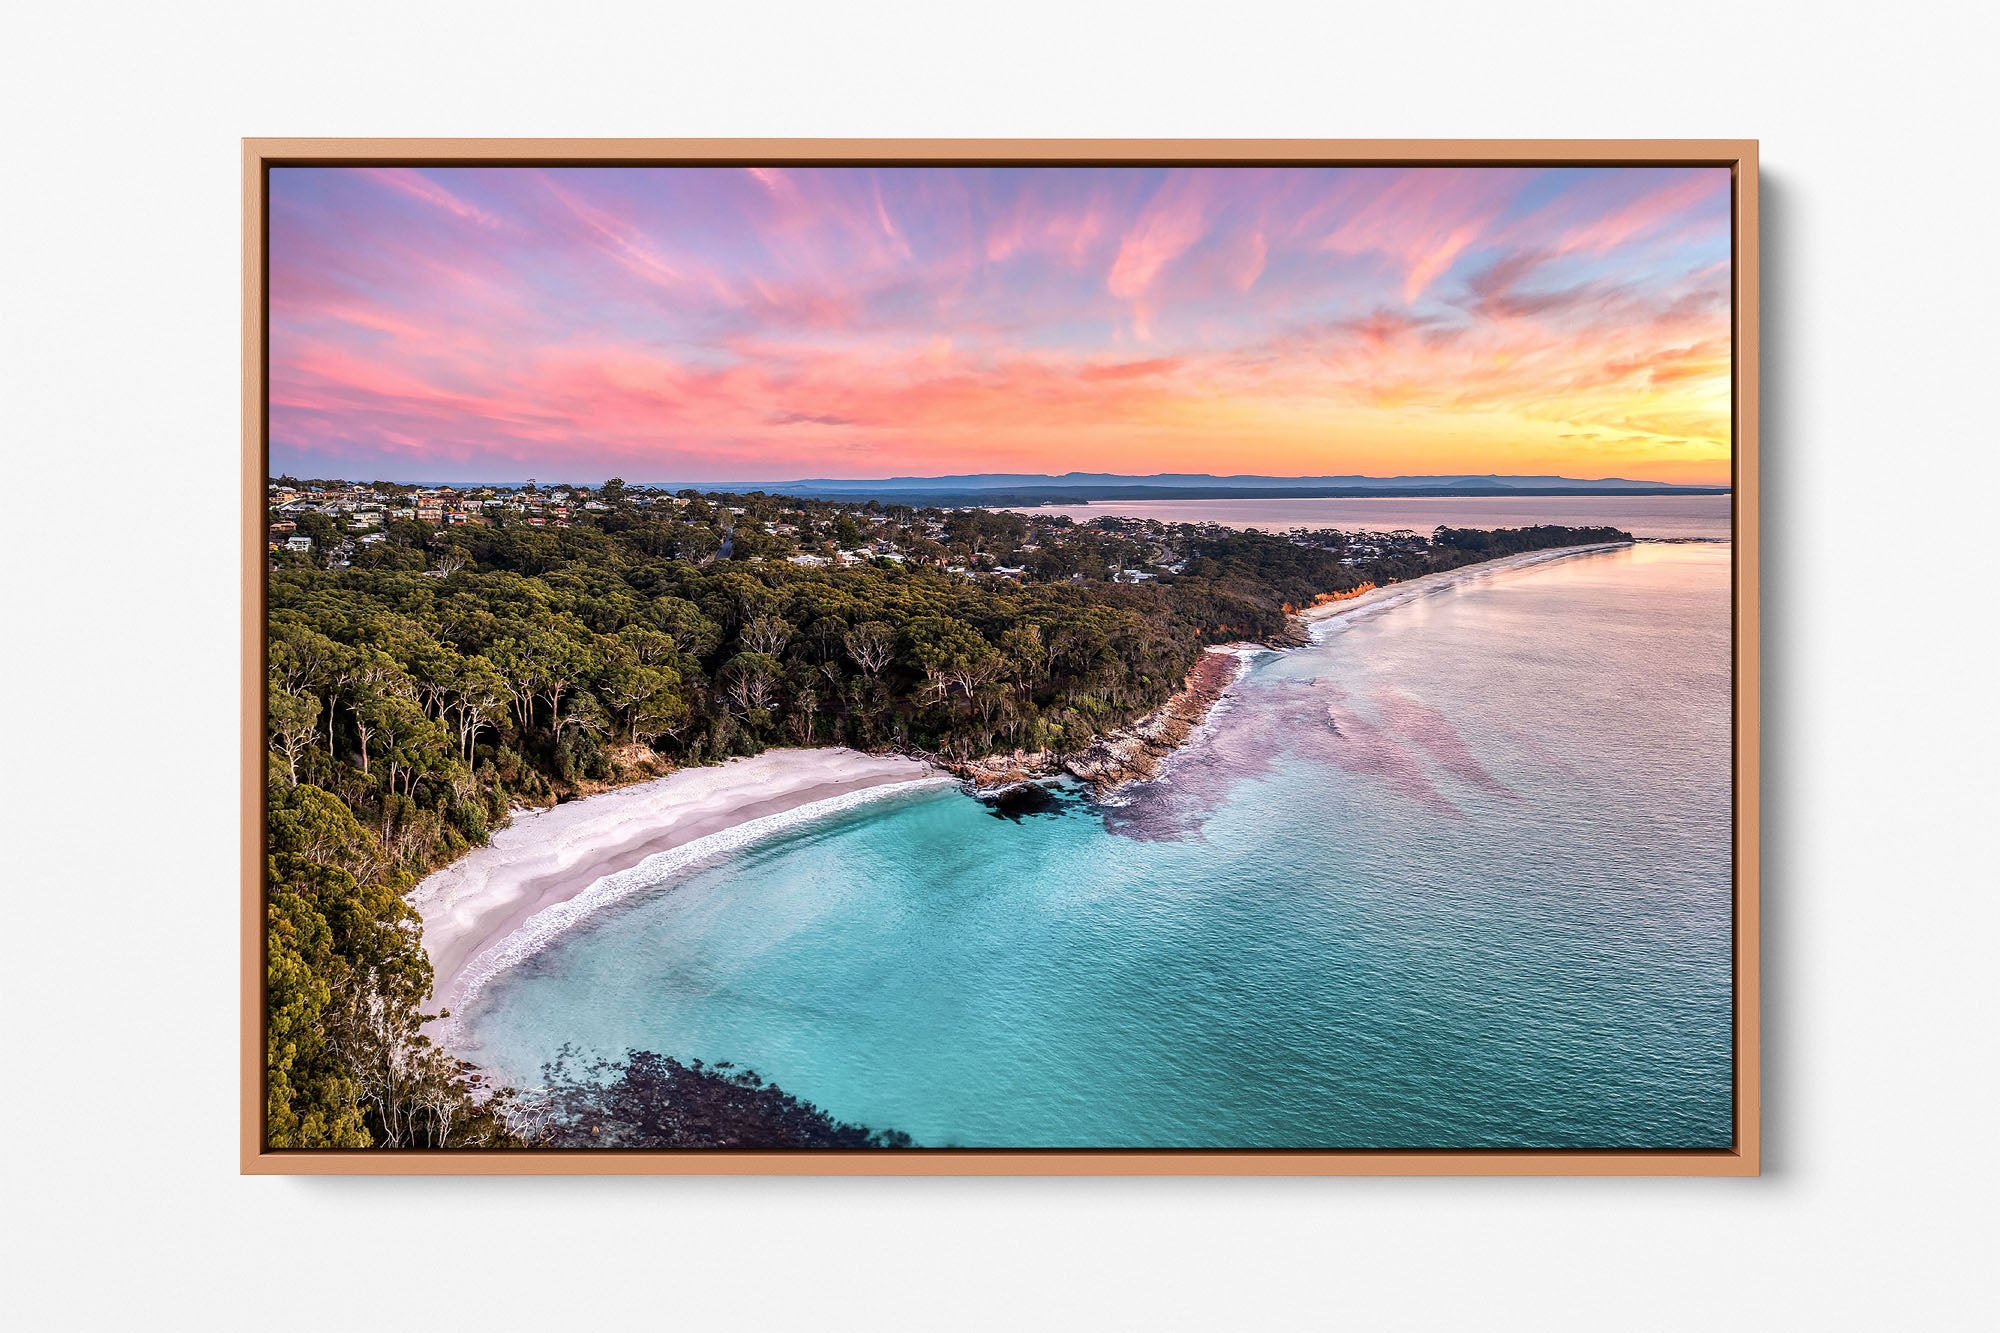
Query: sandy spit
[[1396, 593]]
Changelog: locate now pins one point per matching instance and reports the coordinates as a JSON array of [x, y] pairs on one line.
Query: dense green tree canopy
[[421, 685]]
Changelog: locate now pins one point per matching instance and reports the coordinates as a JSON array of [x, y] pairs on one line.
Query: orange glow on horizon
[[714, 324]]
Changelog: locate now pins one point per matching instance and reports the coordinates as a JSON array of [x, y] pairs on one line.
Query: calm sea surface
[[1456, 875], [1640, 515]]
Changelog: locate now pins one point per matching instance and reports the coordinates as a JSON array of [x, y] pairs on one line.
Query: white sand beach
[[536, 876], [1393, 593], [551, 868]]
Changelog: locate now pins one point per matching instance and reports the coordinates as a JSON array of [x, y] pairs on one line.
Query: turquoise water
[[1458, 875]]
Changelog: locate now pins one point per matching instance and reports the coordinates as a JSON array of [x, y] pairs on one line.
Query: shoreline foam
[[550, 869], [1308, 621], [1395, 594]]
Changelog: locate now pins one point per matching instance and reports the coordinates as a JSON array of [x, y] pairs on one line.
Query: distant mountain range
[[1014, 488]]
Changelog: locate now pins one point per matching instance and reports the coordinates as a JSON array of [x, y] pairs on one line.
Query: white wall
[[120, 320]]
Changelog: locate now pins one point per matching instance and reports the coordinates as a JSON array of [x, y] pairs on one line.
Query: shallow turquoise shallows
[[1456, 876]]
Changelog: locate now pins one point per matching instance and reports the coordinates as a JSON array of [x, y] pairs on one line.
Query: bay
[[1655, 516], [1456, 875]]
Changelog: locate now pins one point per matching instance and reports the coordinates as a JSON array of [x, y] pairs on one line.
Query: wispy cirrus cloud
[[690, 324], [416, 185]]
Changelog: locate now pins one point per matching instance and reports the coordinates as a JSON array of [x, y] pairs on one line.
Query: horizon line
[[1019, 479]]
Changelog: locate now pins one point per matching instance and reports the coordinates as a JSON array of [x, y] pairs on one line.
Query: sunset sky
[[768, 324]]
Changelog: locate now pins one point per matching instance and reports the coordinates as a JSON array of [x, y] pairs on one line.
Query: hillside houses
[[337, 523]]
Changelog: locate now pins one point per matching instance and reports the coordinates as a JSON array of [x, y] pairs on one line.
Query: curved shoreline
[[1395, 594], [1141, 750], [550, 868]]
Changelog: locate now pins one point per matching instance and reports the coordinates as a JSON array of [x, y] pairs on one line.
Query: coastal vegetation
[[426, 677], [645, 1100]]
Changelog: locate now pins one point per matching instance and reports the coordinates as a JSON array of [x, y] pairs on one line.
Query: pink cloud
[[1250, 263], [1423, 218], [1172, 221], [1592, 222], [418, 186], [614, 237], [897, 240], [770, 321]]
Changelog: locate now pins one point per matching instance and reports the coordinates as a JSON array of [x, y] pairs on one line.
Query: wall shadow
[[1782, 515]]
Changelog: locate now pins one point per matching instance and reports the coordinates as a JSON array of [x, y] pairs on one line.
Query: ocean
[[1705, 516], [1456, 875]]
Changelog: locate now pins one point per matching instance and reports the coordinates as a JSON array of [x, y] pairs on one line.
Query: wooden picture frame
[[1739, 156]]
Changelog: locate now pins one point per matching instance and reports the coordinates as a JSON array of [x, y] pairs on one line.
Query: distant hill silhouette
[[996, 488]]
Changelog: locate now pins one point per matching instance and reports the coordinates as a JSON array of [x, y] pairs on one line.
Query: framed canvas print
[[987, 657]]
